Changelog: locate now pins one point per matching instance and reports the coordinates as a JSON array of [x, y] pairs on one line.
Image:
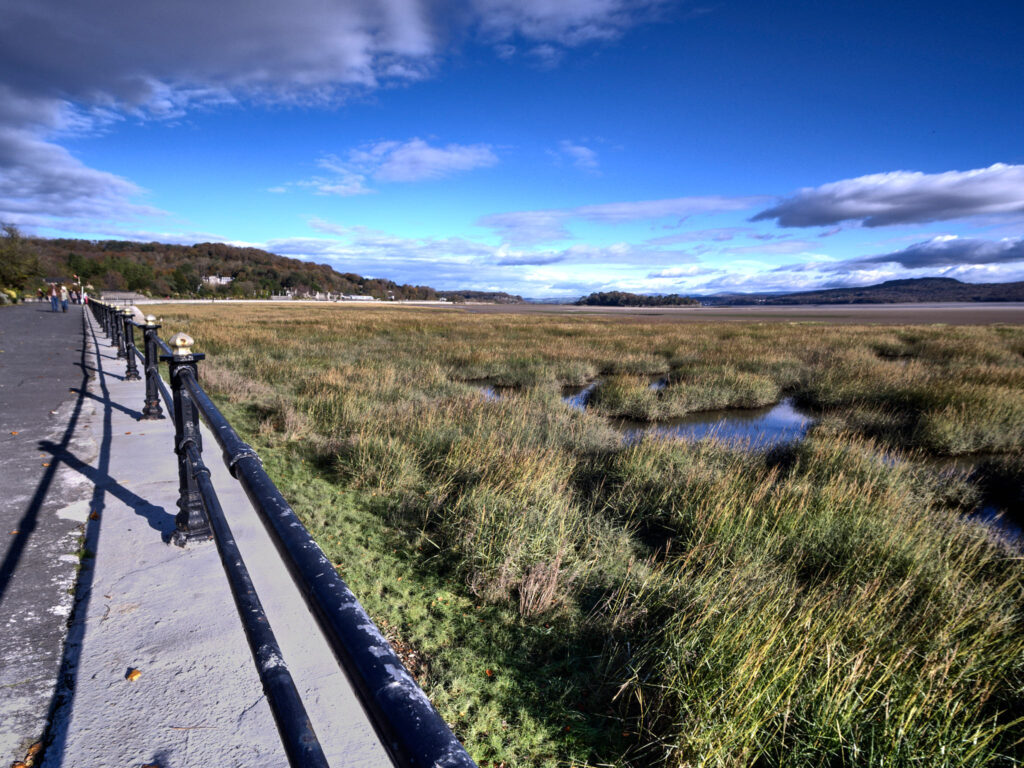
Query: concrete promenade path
[[41, 407], [139, 602]]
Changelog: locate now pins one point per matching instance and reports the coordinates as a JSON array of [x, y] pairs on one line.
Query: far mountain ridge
[[903, 290]]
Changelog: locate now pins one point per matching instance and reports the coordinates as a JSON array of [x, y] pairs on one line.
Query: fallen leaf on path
[[94, 516], [133, 675], [33, 751], [14, 433]]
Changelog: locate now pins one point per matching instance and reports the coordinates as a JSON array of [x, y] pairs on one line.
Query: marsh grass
[[580, 601]]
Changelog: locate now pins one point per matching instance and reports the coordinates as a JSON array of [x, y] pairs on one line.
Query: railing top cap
[[150, 319], [182, 343]]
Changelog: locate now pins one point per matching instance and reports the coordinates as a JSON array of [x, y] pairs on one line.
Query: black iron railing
[[411, 730]]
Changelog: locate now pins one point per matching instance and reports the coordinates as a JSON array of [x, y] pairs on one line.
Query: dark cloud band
[[902, 197]]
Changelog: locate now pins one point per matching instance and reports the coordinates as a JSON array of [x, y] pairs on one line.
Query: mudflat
[[961, 313]]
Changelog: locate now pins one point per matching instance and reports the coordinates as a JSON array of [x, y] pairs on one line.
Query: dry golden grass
[[661, 603]]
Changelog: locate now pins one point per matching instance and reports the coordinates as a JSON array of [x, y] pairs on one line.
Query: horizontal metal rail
[[293, 724], [409, 726], [297, 734]]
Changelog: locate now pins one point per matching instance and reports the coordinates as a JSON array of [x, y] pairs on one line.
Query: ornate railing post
[[115, 334], [132, 370], [152, 409], [122, 331], [191, 522]]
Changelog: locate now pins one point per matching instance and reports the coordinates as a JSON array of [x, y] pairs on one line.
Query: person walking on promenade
[[64, 298], [53, 296]]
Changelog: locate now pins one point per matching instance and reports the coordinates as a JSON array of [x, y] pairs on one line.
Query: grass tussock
[[572, 600]]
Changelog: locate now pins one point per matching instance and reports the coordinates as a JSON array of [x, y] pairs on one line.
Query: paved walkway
[[41, 400], [143, 604]]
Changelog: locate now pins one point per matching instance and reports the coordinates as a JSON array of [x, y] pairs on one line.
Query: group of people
[[60, 296]]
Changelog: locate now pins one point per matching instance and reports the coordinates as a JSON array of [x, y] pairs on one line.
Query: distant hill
[[623, 299], [921, 289], [158, 269]]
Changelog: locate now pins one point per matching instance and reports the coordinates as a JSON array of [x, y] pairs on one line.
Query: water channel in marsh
[[762, 428], [752, 428]]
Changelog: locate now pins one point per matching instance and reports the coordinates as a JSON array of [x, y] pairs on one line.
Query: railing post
[[119, 324], [191, 522], [112, 329], [132, 370], [152, 409]]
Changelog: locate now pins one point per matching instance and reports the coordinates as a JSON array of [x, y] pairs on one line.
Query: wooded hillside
[[159, 269]]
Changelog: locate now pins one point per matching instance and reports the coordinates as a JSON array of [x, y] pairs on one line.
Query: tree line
[[624, 299], [178, 271]]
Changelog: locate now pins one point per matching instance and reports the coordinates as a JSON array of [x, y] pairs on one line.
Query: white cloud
[[416, 160], [677, 272], [565, 22], [528, 227], [904, 197], [581, 156], [531, 227], [778, 248], [78, 66], [679, 207], [42, 184], [394, 161], [716, 234]]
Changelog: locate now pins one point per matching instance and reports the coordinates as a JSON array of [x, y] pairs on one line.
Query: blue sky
[[543, 148]]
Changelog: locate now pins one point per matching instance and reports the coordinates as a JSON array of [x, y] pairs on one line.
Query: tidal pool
[[753, 428]]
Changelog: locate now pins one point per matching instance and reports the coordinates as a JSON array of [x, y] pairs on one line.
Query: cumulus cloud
[[42, 184], [133, 54], [904, 197], [81, 65], [951, 251]]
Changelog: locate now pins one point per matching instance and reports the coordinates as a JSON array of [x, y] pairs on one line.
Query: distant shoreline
[[911, 313]]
